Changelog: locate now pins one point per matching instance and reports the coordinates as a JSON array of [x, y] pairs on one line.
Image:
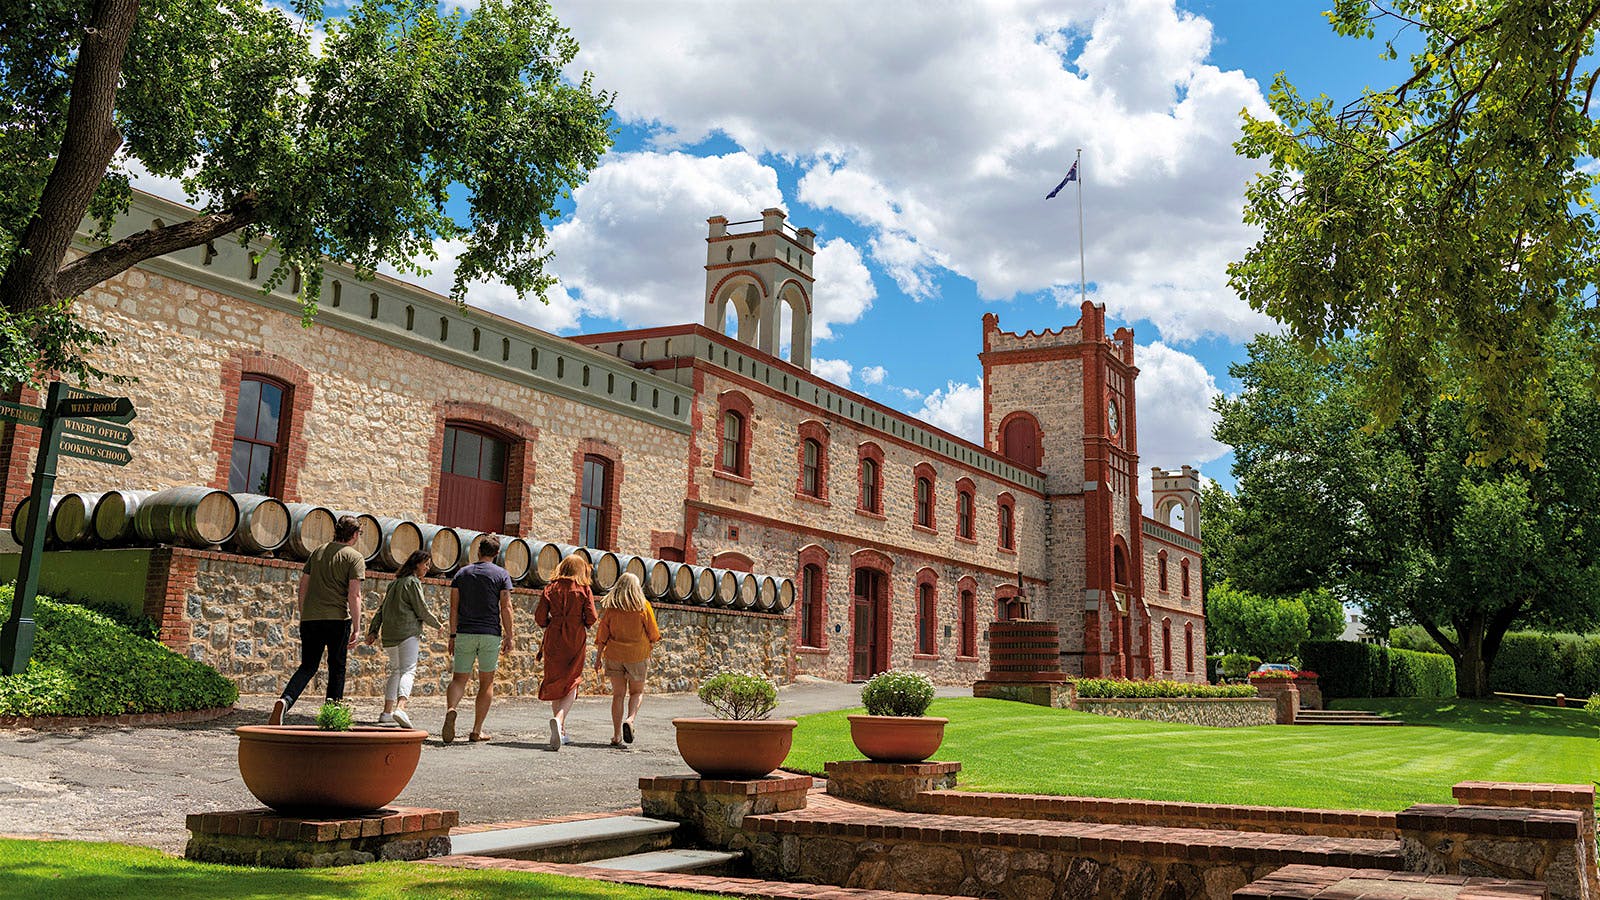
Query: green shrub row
[[1099, 688], [84, 664], [1529, 662], [1351, 669]]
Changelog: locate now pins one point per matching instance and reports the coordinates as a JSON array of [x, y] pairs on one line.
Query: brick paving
[[1324, 883]]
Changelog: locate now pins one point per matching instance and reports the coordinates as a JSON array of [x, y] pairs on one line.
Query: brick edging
[[63, 723]]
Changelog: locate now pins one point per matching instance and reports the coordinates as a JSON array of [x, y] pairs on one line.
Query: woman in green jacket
[[399, 621]]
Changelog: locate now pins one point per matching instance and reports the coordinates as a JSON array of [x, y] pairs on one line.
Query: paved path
[[137, 784]]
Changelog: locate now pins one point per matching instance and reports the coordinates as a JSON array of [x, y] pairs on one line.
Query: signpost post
[[74, 423]]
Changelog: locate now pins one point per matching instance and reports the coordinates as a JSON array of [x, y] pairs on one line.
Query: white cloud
[[559, 314], [1174, 393], [873, 374], [957, 408], [835, 370], [843, 290], [879, 106], [911, 394]]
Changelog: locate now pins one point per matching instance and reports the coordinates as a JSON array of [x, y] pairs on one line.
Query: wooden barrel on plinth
[[607, 568], [400, 539], [766, 593], [310, 526], [726, 593], [263, 524], [657, 578], [547, 557], [24, 514], [786, 593], [515, 557], [442, 544], [113, 515], [466, 541], [706, 582], [371, 538], [680, 583], [72, 519], [749, 590], [633, 565], [1024, 650], [191, 515]]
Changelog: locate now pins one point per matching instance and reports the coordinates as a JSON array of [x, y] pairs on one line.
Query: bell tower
[[763, 276], [1176, 496]]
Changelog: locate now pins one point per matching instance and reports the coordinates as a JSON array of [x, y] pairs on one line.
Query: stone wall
[[1221, 712], [240, 613]]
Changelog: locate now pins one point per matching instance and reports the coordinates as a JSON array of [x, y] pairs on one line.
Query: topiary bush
[[1105, 688], [84, 664], [739, 695], [1237, 665], [1348, 668], [1414, 674], [895, 693]]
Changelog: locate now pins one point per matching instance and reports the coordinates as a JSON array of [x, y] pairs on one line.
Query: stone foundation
[[1503, 842], [895, 785], [713, 811], [1219, 712], [263, 837], [1578, 798], [1059, 696]]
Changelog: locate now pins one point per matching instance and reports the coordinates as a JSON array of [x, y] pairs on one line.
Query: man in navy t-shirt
[[480, 630]]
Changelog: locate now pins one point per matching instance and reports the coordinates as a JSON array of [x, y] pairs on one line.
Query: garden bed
[[1215, 712]]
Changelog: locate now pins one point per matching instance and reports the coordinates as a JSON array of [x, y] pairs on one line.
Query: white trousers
[[402, 668]]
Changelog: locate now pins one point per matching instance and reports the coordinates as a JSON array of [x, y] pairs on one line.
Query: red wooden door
[[472, 480], [868, 659]]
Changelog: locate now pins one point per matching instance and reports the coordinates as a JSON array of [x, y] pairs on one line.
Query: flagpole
[[1083, 282]]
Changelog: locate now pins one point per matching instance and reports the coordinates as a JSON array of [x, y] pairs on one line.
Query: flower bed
[[1101, 688]]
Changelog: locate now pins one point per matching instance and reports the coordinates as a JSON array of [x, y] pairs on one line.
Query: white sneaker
[[565, 740], [401, 719], [386, 719], [280, 708]]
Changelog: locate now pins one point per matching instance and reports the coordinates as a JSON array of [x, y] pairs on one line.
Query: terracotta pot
[[302, 769], [725, 748], [899, 739]]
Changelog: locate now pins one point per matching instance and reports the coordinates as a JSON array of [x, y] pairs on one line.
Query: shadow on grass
[[1496, 716]]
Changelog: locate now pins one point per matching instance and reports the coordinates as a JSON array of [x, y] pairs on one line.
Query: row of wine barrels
[[371, 538], [309, 528], [264, 523], [23, 514], [72, 519], [113, 515], [196, 516]]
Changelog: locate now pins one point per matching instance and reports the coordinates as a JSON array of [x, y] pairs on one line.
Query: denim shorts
[[484, 649]]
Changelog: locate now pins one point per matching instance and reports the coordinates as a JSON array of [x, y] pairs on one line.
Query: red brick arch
[[812, 555], [519, 435], [296, 381], [735, 402], [734, 560], [612, 455]]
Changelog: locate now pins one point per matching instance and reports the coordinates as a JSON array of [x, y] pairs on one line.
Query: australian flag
[[1072, 175]]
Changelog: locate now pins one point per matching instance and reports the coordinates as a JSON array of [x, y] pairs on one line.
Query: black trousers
[[317, 635]]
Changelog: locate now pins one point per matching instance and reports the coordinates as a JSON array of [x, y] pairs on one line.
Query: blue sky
[[919, 139]]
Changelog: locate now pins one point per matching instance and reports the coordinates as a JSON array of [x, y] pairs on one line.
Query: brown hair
[[414, 562], [346, 528], [489, 547], [575, 567]]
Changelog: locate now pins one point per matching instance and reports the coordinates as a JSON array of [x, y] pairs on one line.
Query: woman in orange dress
[[565, 612]]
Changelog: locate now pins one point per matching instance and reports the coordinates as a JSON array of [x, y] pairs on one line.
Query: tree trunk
[[1472, 670], [88, 143]]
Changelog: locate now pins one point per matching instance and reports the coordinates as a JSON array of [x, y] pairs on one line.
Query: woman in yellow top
[[622, 641]]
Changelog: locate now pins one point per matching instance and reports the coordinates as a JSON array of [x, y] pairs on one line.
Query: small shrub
[[739, 695], [1213, 661], [1237, 665], [335, 716], [1593, 706], [897, 694], [1105, 688]]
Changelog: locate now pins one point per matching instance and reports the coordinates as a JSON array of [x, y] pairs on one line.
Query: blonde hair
[[575, 567], [626, 595]]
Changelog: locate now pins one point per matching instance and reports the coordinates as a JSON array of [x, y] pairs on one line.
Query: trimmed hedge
[[84, 664], [1531, 662], [1102, 688], [1351, 669]]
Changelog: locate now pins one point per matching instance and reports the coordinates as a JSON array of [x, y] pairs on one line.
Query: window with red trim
[[1183, 569], [1161, 570], [472, 479], [811, 468], [1188, 647], [594, 512], [735, 430], [1166, 644], [969, 623], [925, 619], [964, 517], [924, 503], [1007, 525], [259, 430], [811, 606], [732, 441], [870, 474]]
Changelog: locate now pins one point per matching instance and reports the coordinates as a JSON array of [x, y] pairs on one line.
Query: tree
[[1449, 218], [1271, 628], [1324, 614], [350, 145], [1219, 511], [1404, 525]]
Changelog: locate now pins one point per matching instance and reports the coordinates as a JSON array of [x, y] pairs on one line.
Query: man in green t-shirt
[[330, 600]]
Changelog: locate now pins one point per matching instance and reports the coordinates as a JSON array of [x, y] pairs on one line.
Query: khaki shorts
[[634, 670], [484, 649]]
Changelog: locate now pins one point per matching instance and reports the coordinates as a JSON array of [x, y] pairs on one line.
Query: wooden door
[[864, 625], [472, 480]]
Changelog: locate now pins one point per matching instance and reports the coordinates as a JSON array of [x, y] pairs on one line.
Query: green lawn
[[55, 870], [1019, 748]]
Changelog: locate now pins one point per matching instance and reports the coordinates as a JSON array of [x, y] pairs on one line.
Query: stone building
[[695, 443]]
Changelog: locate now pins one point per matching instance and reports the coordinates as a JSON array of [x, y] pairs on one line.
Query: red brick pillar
[[1282, 690], [18, 447], [166, 592]]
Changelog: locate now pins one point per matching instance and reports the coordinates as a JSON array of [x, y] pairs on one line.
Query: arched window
[[1008, 539], [870, 500], [594, 507], [927, 615], [811, 468], [811, 606], [732, 441], [965, 505], [1183, 575], [969, 622], [256, 465], [924, 503], [734, 425], [472, 479], [1119, 565], [1161, 570], [1166, 644], [1188, 647]]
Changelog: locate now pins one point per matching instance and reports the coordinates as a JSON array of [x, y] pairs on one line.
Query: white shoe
[[386, 719], [565, 740], [401, 719], [280, 708], [555, 734]]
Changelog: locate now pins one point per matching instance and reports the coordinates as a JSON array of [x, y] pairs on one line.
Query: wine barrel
[[113, 515], [546, 557], [72, 519], [767, 593], [706, 581], [467, 544], [785, 594], [443, 544], [196, 516], [637, 566], [607, 568], [371, 539], [515, 557], [727, 590], [749, 591], [309, 528], [263, 523], [401, 538], [657, 577], [21, 516], [680, 583]]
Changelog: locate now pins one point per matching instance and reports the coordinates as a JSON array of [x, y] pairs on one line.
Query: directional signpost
[[74, 423]]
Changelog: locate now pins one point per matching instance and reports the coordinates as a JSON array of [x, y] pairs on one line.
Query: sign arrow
[[114, 408], [100, 453], [72, 393], [98, 430], [21, 413]]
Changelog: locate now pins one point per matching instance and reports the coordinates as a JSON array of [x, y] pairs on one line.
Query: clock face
[[1113, 419]]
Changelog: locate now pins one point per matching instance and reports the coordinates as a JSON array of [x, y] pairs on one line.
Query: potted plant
[[740, 742], [895, 728], [332, 766]]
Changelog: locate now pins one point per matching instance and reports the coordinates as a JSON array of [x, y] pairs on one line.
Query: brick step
[[1363, 713], [1303, 719], [578, 841], [706, 862], [1327, 883]]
